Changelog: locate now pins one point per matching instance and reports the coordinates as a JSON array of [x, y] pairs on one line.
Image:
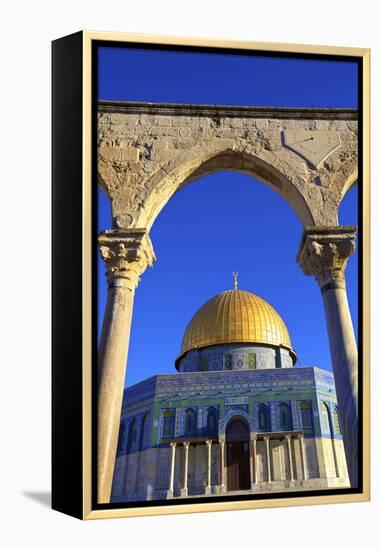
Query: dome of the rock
[[236, 316]]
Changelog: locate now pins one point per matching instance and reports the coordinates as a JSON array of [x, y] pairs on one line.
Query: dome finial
[[235, 275]]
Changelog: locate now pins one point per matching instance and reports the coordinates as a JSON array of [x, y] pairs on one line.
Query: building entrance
[[237, 458]]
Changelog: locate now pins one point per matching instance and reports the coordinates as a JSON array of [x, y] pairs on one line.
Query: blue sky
[[201, 236]]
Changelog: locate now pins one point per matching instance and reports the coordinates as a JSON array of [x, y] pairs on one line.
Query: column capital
[[186, 444], [208, 442], [173, 444], [266, 437], [288, 437], [324, 252], [126, 254]]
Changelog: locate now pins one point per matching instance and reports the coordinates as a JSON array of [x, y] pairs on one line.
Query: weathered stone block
[[130, 155]]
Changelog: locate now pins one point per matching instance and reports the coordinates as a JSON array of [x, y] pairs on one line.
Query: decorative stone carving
[[314, 147], [126, 254], [324, 253], [147, 152]]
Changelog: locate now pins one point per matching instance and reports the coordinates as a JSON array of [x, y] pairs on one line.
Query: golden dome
[[236, 316]]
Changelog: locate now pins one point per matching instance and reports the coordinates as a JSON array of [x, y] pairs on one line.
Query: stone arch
[[264, 417], [345, 186], [285, 417], [211, 423], [233, 414], [195, 163], [132, 445], [350, 179], [238, 419], [306, 417], [145, 431], [167, 424], [345, 178], [326, 419], [149, 152], [336, 421], [190, 422]]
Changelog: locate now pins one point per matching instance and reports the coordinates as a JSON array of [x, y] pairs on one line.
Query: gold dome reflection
[[236, 316]]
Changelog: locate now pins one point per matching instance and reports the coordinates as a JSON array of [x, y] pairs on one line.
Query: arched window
[[285, 417], [168, 424], [212, 421], [132, 438], [336, 421], [264, 418], [145, 432], [306, 417], [325, 416], [121, 437], [190, 422]]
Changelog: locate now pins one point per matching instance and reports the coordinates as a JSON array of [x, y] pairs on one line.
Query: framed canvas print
[[210, 275]]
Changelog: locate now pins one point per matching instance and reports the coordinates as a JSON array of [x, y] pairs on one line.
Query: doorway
[[238, 456]]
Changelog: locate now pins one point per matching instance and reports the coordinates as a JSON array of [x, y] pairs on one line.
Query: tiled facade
[[234, 357], [198, 407]]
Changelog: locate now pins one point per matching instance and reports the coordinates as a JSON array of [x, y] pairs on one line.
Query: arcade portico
[[147, 152]]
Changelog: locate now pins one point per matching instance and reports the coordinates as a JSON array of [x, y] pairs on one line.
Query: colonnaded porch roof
[[201, 440]]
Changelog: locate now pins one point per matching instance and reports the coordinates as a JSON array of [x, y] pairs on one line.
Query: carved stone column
[[288, 439], [253, 460], [126, 254], [324, 252], [303, 457], [208, 488], [267, 441], [222, 466], [184, 491], [170, 492]]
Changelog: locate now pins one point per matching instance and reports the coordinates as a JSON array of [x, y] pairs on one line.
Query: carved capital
[[126, 254], [324, 252]]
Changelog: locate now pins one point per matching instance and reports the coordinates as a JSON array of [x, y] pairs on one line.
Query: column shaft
[[208, 488], [185, 480], [324, 252], [267, 440], [170, 492], [222, 464], [344, 353], [253, 461], [126, 255], [335, 456], [288, 438], [303, 458], [113, 352]]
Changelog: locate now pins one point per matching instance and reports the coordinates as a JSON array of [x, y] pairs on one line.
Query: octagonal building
[[238, 416]]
